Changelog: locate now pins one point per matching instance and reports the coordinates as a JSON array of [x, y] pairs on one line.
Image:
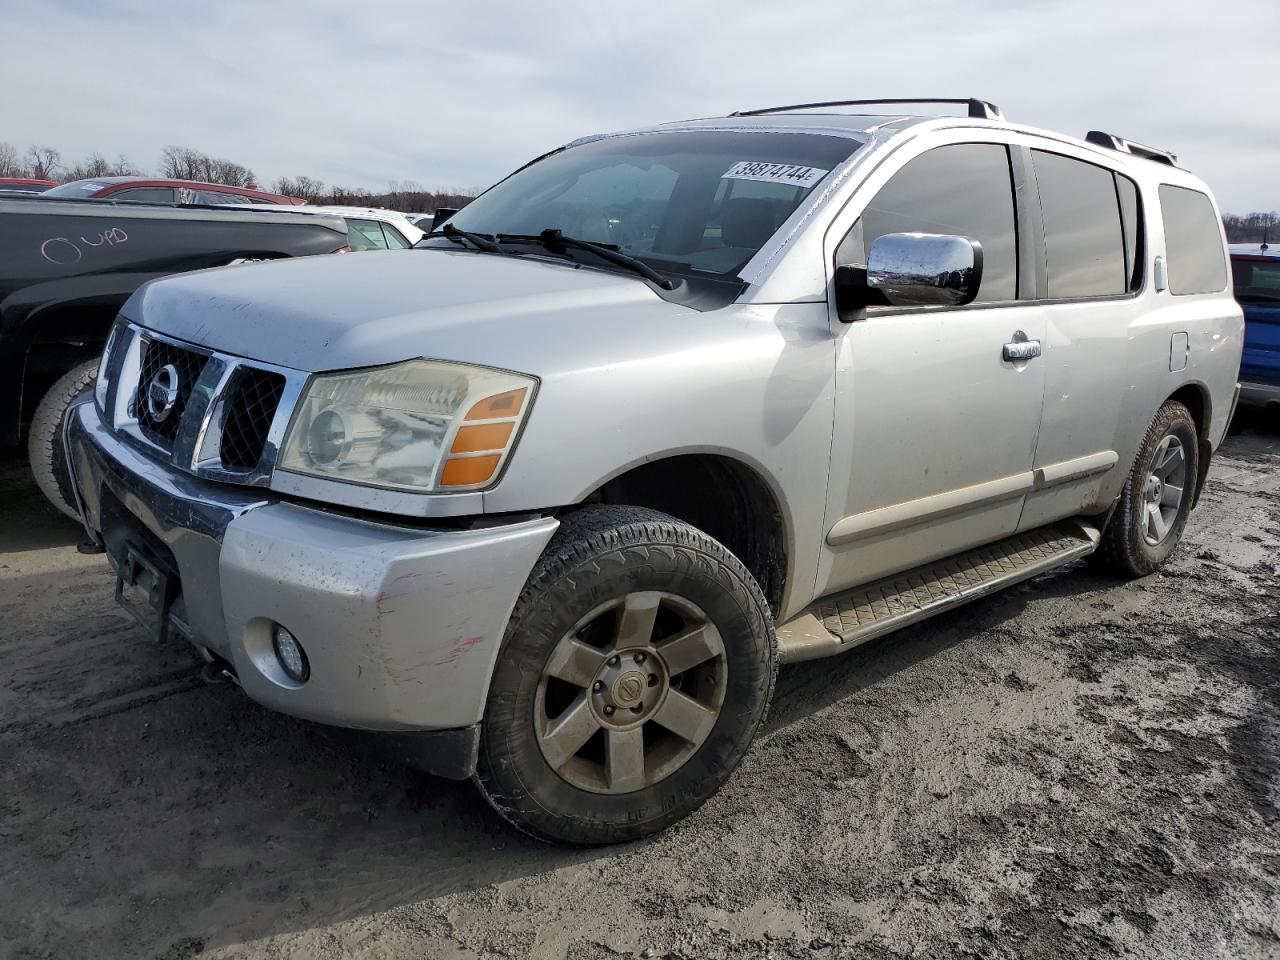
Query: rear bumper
[[1259, 392], [402, 626]]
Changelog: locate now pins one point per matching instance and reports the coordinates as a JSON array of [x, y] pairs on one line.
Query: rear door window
[[143, 195], [1193, 242], [962, 190], [1084, 241], [395, 239], [365, 235]]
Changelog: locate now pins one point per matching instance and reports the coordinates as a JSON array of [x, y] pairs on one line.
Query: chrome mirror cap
[[925, 269]]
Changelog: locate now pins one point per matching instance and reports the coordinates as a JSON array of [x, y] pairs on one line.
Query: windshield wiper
[[554, 240], [456, 235]]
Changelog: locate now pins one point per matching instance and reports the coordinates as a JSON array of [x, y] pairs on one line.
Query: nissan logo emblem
[[162, 392]]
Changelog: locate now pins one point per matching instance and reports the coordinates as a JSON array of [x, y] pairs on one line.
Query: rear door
[[1089, 274], [934, 430]]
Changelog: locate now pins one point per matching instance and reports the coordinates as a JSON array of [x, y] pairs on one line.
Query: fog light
[[293, 660]]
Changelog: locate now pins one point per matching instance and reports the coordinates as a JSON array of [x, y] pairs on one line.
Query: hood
[[336, 312]]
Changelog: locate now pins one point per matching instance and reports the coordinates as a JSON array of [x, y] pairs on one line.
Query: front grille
[[161, 429], [251, 401]]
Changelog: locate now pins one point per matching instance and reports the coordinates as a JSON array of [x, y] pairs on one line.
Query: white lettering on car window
[[790, 173]]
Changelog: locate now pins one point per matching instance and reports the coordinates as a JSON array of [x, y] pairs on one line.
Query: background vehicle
[[1255, 271], [66, 268], [547, 483], [369, 228], [421, 220], [160, 190], [25, 185]]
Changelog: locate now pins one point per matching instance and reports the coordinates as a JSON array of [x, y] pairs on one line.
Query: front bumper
[[402, 626]]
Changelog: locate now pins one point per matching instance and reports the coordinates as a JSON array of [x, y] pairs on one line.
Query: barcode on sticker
[[791, 173]]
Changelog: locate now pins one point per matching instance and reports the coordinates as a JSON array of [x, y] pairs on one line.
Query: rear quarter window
[[1193, 242]]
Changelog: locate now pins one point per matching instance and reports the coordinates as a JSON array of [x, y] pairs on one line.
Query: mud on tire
[[610, 577]]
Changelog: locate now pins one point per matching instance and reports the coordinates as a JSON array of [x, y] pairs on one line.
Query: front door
[[935, 431]]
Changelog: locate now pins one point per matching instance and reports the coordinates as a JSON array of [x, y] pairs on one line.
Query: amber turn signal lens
[[498, 406], [468, 471], [489, 436]]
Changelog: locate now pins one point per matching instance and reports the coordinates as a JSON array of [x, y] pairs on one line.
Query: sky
[[457, 94]]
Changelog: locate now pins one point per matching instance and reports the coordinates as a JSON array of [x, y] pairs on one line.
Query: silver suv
[[548, 498]]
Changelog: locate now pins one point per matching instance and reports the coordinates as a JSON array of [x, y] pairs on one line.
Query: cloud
[[457, 94]]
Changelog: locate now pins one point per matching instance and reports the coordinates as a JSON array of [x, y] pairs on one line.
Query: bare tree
[[9, 163], [302, 187], [186, 163], [96, 165], [43, 163], [1252, 227]]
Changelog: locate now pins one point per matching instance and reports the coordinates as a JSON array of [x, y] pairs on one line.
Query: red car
[[26, 184], [153, 190]]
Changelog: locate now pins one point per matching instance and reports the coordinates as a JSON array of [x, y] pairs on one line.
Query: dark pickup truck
[[66, 268]]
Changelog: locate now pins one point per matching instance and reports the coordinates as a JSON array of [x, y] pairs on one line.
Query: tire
[[1127, 548], [44, 444], [602, 572]]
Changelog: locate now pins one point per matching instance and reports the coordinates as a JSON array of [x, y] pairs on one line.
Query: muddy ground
[[1077, 767]]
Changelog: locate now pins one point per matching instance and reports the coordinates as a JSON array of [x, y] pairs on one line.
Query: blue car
[[1255, 270]]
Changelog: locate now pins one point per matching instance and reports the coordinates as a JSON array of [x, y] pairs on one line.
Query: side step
[[842, 621]]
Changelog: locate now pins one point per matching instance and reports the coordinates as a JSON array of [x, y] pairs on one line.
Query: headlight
[[417, 426]]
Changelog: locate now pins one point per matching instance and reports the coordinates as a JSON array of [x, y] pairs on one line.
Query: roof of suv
[[830, 120]]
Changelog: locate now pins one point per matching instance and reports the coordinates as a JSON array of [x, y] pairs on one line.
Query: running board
[[842, 621]]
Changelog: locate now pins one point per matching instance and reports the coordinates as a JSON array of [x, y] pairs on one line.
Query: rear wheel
[[637, 666], [44, 444], [1153, 509]]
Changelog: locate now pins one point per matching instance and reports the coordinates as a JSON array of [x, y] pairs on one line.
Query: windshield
[[76, 188], [1256, 280], [685, 202]]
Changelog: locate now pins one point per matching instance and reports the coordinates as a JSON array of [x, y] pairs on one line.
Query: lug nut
[[598, 686], [608, 709], [639, 657], [613, 661]]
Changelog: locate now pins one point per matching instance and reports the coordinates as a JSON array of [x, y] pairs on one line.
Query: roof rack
[[979, 109], [1112, 142]]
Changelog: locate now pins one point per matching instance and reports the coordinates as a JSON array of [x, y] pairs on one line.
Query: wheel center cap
[[1154, 489], [629, 688]]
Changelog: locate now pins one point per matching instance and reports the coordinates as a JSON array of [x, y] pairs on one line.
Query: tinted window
[[687, 202], [365, 235], [1083, 240], [1193, 241], [143, 195], [964, 190], [1131, 221], [216, 197], [1256, 281]]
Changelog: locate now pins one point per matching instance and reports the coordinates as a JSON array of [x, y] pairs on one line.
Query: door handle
[[1020, 348]]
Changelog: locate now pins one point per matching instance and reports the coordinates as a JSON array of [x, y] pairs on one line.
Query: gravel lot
[[1076, 767]]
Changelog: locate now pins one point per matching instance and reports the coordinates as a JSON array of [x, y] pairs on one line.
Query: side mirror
[[915, 270], [440, 216]]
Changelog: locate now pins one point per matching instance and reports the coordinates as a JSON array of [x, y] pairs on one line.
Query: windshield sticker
[[791, 173]]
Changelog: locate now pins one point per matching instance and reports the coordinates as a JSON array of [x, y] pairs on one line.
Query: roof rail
[[1112, 142], [979, 109]]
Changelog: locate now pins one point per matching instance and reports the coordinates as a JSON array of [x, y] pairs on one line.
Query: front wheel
[[44, 444], [637, 665], [1156, 501]]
